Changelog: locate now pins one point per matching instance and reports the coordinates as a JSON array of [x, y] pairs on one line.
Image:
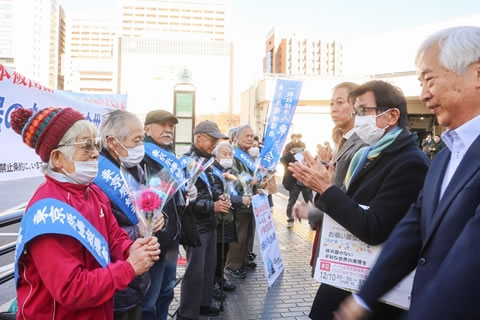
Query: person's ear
[[111, 143], [393, 116], [477, 70], [57, 159]]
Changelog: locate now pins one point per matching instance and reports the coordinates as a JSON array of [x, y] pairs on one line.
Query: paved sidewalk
[[292, 294]]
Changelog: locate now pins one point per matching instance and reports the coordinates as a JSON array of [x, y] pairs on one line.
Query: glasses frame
[[97, 141], [361, 114]]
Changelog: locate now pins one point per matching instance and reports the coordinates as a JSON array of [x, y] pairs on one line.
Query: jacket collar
[[150, 140], [194, 150], [73, 188]]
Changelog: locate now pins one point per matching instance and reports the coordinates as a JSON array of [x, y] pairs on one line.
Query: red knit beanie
[[43, 130]]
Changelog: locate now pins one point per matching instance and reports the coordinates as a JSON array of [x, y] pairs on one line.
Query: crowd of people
[[216, 226], [81, 254]]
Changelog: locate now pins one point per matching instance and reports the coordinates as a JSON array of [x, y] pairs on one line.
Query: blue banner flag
[[285, 99]]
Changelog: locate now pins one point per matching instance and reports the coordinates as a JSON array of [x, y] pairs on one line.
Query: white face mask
[[85, 172], [226, 163], [135, 155], [254, 152], [366, 128]]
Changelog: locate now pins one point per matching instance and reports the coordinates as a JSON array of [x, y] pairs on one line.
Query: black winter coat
[[133, 295], [202, 207], [230, 228], [388, 186], [180, 225]]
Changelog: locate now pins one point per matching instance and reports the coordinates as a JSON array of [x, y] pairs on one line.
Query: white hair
[[220, 146], [459, 47], [115, 125], [77, 129]]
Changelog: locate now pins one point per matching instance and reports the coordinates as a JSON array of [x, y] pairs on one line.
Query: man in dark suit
[[440, 233]]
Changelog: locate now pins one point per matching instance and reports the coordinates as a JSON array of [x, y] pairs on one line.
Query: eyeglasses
[[89, 145], [360, 111]]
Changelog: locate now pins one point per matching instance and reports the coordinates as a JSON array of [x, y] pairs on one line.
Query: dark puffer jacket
[[202, 207], [134, 294]]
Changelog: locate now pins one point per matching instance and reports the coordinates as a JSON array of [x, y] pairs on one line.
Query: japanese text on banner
[[344, 261], [271, 256], [285, 99], [18, 91]]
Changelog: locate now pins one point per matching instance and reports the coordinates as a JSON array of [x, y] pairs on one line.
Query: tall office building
[[204, 19], [62, 29], [29, 38], [90, 63], [7, 57], [294, 54], [161, 38]]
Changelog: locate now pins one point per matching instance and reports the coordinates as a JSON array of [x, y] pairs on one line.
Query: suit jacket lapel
[[467, 168], [348, 144], [433, 185]]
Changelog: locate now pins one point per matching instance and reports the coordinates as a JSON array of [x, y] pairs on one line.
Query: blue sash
[[52, 216], [203, 176], [244, 158], [218, 173], [167, 160], [111, 182]]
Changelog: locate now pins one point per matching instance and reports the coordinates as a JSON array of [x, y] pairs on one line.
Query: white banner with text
[[17, 160]]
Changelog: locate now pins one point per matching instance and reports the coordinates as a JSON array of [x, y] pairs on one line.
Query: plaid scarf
[[366, 155]]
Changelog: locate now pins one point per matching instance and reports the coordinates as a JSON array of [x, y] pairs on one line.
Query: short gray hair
[[241, 128], [220, 146], [71, 136], [459, 47], [114, 125]]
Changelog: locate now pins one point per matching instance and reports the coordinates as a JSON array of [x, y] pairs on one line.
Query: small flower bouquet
[[150, 197], [194, 168], [261, 172], [229, 185], [246, 180]]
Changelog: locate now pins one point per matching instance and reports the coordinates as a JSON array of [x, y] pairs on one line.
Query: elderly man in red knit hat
[[71, 255]]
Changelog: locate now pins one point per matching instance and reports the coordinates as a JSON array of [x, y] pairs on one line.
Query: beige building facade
[[293, 54]]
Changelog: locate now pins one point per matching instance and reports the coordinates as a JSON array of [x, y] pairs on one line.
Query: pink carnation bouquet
[[194, 168], [150, 196]]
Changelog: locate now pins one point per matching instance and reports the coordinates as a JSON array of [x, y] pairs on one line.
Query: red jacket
[[58, 277]]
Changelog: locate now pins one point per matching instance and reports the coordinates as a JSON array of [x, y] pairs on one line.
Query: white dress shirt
[[349, 134], [458, 141]]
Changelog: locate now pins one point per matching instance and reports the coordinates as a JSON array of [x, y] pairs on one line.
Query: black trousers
[[295, 190], [220, 263]]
